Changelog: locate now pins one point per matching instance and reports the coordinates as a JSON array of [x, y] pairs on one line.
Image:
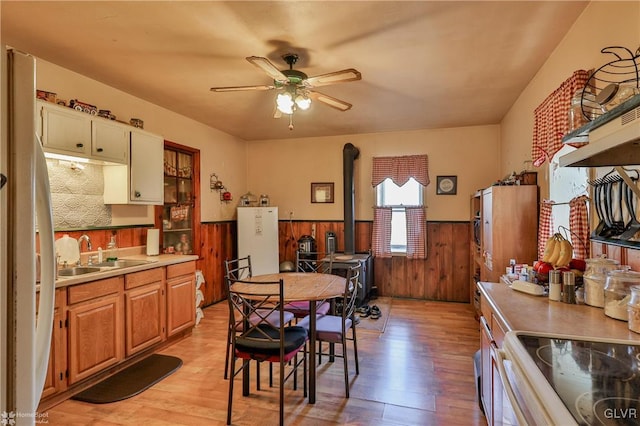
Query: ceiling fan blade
[[265, 65], [333, 77], [329, 100], [240, 88]]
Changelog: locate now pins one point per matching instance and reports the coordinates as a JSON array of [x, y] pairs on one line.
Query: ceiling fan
[[297, 89]]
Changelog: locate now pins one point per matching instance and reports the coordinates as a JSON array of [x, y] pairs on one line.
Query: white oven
[[569, 380]]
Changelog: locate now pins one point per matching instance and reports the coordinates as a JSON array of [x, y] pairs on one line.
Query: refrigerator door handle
[[46, 304]]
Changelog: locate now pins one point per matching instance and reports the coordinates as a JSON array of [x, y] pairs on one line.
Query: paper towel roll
[[153, 242]]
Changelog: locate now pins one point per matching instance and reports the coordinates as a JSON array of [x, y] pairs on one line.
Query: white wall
[[285, 169]]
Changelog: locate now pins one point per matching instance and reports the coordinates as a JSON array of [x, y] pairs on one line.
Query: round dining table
[[312, 287]]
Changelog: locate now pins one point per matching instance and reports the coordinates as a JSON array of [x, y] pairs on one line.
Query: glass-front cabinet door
[[180, 208]]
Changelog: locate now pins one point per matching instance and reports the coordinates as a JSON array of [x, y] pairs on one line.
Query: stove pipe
[[349, 155]]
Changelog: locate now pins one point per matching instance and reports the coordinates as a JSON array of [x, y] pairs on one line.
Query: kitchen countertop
[[155, 262], [519, 311]]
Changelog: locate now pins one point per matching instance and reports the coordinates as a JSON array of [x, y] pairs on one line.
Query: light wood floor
[[418, 372]]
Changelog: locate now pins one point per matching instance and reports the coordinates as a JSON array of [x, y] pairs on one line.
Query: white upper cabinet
[[109, 141], [70, 132], [142, 181], [65, 131], [147, 168]]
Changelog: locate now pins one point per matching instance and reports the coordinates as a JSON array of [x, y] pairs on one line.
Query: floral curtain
[[400, 170]]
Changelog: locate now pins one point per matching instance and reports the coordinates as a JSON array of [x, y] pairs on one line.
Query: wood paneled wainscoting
[[443, 276], [218, 242]]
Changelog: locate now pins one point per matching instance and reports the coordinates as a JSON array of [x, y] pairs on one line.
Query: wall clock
[[446, 185]]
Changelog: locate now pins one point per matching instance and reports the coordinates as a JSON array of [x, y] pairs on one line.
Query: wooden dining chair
[[311, 262], [238, 269], [251, 307], [334, 329]]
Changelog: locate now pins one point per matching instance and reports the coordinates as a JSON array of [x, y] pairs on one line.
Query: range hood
[[614, 139]]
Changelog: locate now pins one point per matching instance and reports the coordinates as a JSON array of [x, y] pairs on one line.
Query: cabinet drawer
[[497, 330], [137, 279], [94, 289], [181, 269]]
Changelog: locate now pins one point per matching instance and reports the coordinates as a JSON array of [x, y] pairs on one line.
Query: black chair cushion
[[294, 338]]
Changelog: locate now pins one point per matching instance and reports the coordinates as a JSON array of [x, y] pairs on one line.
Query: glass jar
[[633, 308], [617, 293], [614, 94], [594, 279], [576, 117]]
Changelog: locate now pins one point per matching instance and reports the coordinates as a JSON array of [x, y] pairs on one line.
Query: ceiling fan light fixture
[[284, 103], [303, 102]]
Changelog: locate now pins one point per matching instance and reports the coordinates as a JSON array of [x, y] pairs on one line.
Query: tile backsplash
[[77, 195]]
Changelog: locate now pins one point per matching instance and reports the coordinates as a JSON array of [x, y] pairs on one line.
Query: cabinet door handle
[[137, 194], [99, 149], [79, 145]]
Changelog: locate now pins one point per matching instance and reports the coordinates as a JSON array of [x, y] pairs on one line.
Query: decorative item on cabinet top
[[613, 83], [216, 185]]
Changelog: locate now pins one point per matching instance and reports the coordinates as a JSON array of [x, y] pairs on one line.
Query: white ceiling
[[424, 64]]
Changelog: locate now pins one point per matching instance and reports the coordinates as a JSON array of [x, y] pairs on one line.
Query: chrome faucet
[[84, 237]]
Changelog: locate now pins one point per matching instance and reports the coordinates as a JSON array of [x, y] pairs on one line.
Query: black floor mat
[[131, 381]]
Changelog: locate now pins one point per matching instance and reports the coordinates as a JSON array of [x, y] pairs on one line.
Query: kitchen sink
[[77, 270], [121, 263]]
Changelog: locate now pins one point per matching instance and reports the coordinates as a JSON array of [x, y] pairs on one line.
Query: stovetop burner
[[599, 382]]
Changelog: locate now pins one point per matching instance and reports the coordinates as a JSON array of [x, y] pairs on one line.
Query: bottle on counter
[[112, 250], [555, 286], [617, 293], [569, 287]]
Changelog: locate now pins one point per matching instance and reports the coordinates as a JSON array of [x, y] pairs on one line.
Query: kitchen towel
[[153, 242]]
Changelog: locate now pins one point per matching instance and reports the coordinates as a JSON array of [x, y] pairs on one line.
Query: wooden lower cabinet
[[181, 302], [144, 310], [96, 331], [99, 324]]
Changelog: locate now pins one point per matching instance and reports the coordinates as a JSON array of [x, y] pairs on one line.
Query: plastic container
[[633, 309], [594, 279], [617, 293]]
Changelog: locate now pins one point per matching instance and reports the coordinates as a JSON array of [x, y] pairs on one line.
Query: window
[[399, 182], [388, 194]]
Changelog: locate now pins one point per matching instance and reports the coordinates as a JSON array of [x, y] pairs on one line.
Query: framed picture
[[446, 185], [322, 192]]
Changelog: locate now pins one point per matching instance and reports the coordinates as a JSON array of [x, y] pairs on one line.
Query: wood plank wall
[[443, 276]]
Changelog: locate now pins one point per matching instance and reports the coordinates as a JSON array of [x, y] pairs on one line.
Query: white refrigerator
[[24, 208], [258, 237]]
